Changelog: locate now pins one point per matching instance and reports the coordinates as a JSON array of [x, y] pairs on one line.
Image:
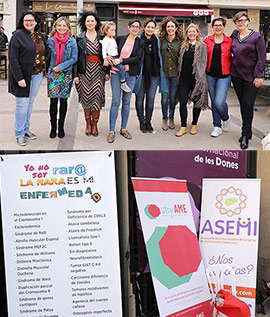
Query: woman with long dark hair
[[151, 75], [63, 51], [171, 37], [27, 54], [89, 71]]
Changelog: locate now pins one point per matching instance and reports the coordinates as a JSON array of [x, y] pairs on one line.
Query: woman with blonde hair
[[192, 83], [171, 37], [63, 53]]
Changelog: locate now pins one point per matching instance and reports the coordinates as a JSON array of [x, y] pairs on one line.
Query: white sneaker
[[216, 132], [226, 125], [125, 87]]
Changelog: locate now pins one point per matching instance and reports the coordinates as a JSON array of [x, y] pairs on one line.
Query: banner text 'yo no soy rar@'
[[229, 231], [60, 234], [172, 247]]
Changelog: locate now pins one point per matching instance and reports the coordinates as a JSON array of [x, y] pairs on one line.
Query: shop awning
[[164, 10]]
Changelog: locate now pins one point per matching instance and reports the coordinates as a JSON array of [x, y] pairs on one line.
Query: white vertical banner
[[172, 247], [60, 232], [229, 231]]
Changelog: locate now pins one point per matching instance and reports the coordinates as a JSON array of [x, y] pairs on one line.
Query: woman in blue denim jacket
[[151, 75], [63, 52]]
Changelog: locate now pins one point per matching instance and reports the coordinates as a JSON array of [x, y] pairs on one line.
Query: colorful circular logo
[[231, 201], [152, 211]]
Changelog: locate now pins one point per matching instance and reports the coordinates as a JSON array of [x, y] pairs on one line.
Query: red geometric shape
[[154, 211], [180, 250]]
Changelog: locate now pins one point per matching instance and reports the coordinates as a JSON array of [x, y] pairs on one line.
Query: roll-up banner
[[172, 247], [229, 231], [60, 234]]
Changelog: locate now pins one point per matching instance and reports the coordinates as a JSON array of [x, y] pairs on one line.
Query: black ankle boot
[[143, 127], [244, 142], [240, 139], [61, 132], [149, 127], [53, 129]]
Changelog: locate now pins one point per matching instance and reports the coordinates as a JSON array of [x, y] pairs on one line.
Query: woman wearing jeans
[[171, 37], [151, 75], [130, 52], [218, 74], [26, 53], [249, 55]]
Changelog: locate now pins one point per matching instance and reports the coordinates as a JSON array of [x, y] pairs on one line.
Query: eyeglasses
[[241, 21], [218, 26], [29, 21], [169, 48], [135, 27]]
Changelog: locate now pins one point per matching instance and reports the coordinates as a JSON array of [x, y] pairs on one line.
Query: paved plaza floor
[[75, 138]]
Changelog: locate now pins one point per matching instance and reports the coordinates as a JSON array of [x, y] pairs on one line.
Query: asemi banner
[[60, 234], [229, 231], [172, 246]]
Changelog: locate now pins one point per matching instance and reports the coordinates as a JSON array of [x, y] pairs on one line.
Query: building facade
[[200, 12], [8, 16]]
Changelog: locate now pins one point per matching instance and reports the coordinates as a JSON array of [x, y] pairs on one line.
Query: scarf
[[151, 65], [60, 49]]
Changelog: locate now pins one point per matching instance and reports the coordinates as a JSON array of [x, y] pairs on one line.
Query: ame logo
[[153, 211]]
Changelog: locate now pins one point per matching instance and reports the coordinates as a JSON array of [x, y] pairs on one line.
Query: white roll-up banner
[[172, 247], [60, 233], [229, 231]]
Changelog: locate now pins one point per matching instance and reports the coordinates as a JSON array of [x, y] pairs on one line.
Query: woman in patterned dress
[[63, 52], [90, 75]]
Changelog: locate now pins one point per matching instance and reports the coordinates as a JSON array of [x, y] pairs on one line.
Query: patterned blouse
[[39, 64]]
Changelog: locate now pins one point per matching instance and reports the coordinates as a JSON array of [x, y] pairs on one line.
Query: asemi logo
[[231, 201]]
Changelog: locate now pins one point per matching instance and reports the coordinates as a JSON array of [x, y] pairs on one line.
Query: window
[[265, 28], [229, 13], [107, 12]]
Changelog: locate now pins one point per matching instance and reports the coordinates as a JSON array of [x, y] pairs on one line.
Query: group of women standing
[[184, 66], [67, 60]]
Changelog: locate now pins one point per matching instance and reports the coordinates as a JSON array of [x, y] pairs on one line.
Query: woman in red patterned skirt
[[90, 75]]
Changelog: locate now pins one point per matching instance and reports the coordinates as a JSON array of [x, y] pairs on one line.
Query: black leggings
[[184, 88], [53, 108], [246, 93]]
